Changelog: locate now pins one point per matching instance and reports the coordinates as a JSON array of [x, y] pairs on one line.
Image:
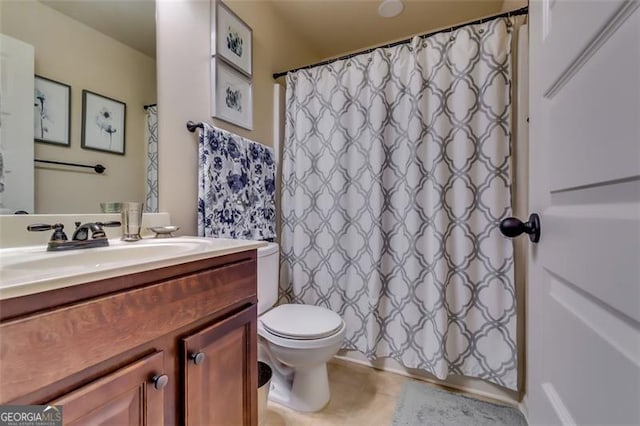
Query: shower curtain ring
[[509, 23]]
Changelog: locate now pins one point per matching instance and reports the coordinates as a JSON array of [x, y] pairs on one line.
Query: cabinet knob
[[197, 358], [160, 381]]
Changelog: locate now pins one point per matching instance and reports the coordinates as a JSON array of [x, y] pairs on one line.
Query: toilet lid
[[301, 321]]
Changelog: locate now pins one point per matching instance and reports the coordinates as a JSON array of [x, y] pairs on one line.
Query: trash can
[[264, 383]]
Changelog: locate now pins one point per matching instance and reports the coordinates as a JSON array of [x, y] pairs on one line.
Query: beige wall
[[487, 10], [508, 5], [184, 90], [71, 52]]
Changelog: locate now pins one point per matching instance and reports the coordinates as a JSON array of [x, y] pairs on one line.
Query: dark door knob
[[160, 381], [512, 227], [197, 358]]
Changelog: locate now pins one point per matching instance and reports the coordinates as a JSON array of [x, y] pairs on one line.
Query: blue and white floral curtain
[[151, 133], [396, 174], [236, 192]]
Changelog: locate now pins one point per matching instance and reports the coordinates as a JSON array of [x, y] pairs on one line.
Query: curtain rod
[[149, 106], [517, 12]]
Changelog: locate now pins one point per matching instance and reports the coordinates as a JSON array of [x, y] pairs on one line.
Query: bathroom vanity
[[156, 343]]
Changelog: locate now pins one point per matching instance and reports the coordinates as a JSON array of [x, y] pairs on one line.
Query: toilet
[[295, 340]]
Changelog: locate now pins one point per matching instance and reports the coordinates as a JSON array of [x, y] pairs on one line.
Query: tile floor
[[359, 396]]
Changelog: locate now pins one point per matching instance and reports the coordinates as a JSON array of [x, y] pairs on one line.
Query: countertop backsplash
[[13, 228]]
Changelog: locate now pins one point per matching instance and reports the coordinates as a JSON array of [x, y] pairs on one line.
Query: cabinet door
[[221, 372], [129, 396]]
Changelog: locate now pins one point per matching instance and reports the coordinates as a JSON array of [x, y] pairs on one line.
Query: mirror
[[106, 48]]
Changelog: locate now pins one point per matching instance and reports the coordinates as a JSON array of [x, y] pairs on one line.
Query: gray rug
[[421, 405]]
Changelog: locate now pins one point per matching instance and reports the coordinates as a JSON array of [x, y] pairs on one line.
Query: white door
[[16, 125], [583, 344]]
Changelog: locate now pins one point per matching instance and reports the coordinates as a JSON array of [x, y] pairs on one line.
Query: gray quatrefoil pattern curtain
[[151, 134], [396, 174]]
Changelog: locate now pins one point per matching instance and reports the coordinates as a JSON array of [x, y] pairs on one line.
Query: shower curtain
[[396, 174], [151, 134]]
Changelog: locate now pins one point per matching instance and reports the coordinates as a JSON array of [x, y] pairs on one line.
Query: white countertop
[[30, 270]]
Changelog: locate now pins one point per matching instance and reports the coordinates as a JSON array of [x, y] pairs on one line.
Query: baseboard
[[475, 388], [524, 408]]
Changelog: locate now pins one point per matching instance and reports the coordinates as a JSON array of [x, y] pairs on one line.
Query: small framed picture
[[103, 123], [232, 95], [52, 112], [231, 38]]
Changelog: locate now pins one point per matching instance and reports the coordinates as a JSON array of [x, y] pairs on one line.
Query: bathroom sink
[[98, 257], [26, 270]]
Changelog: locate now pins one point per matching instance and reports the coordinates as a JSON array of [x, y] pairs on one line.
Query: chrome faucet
[[80, 238]]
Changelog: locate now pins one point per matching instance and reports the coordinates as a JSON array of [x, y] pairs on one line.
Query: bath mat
[[420, 404]]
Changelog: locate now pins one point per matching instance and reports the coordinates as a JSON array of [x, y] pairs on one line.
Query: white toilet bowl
[[297, 341]]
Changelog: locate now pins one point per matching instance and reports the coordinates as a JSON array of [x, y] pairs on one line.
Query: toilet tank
[[268, 268]]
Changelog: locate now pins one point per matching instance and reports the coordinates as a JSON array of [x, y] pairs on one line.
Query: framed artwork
[[231, 38], [103, 123], [232, 95], [52, 112]]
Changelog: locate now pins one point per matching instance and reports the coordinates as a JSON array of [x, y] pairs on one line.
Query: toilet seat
[[290, 343], [301, 322]]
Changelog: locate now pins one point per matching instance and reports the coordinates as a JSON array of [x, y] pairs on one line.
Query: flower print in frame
[[231, 97], [231, 38], [103, 123], [52, 112]]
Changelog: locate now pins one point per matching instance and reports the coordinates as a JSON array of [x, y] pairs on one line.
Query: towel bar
[[191, 126]]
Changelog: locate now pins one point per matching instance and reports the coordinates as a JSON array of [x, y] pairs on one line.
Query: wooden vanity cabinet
[[221, 372], [133, 395], [177, 345]]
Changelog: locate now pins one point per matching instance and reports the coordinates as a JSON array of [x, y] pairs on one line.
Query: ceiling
[[132, 22], [335, 27], [330, 27]]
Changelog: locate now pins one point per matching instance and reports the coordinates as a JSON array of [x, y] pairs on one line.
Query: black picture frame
[[52, 112], [104, 121]]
